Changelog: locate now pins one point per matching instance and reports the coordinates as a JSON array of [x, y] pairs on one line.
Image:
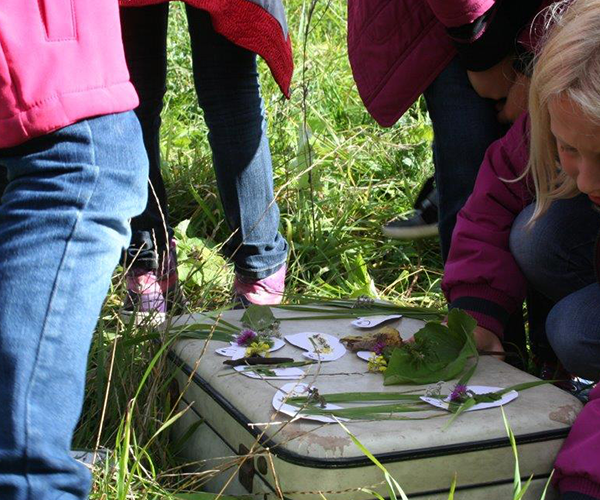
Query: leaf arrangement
[[352, 309], [438, 353], [395, 406]]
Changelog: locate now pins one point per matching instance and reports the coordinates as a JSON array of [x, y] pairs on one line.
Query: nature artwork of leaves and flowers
[[438, 352]]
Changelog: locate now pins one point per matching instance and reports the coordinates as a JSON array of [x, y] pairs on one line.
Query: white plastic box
[[309, 461]]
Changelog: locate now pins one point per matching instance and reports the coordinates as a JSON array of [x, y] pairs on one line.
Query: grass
[[333, 198]]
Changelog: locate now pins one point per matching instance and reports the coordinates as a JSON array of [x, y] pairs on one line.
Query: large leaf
[[444, 352], [258, 318]]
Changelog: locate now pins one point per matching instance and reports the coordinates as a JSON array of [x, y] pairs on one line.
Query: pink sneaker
[[264, 292], [152, 293]]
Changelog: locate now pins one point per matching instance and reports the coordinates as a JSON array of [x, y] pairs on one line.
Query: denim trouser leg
[[556, 256], [226, 79], [464, 125], [63, 224]]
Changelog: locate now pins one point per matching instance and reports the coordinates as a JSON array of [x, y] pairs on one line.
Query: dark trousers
[[228, 91]]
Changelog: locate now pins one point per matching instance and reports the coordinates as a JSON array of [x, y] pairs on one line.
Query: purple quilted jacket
[[398, 47]]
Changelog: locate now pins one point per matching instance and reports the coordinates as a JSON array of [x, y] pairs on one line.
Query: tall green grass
[[338, 177]]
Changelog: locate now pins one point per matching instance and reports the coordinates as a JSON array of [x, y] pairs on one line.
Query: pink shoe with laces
[[152, 293], [264, 292]]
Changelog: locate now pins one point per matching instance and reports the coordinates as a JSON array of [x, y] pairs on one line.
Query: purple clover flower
[[245, 337], [459, 392], [379, 347]]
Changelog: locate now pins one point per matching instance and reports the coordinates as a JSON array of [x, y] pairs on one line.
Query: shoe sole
[[411, 233]]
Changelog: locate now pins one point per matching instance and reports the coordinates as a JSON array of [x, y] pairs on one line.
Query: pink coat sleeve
[[481, 275], [459, 12], [577, 466]]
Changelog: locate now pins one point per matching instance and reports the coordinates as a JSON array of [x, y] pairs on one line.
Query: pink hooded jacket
[[61, 61], [482, 277]]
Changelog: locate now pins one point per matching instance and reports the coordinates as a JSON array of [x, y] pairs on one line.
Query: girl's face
[[578, 143]]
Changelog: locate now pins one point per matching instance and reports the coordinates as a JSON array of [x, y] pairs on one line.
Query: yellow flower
[[377, 364], [257, 349]]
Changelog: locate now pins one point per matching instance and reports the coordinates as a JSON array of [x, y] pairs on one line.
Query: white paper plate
[[365, 355], [302, 340], [296, 389], [291, 373], [235, 351], [477, 389], [373, 321]]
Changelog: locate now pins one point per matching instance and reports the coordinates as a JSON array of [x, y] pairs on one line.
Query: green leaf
[[393, 485], [513, 444], [448, 349], [258, 318], [469, 403], [452, 487], [358, 397]]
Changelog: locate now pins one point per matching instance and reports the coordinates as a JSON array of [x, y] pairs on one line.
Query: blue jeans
[[63, 225], [556, 256], [226, 81], [464, 125]]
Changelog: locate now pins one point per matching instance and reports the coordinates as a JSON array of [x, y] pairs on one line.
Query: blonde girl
[[539, 233]]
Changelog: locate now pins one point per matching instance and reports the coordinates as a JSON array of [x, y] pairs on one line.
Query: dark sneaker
[[579, 387], [422, 223]]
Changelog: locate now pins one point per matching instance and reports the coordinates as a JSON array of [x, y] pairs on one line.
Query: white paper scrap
[[477, 389], [236, 352], [365, 355], [290, 373], [319, 346], [373, 321], [295, 389]]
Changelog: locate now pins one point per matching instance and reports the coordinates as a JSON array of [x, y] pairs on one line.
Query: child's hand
[[494, 83], [487, 341], [516, 101]]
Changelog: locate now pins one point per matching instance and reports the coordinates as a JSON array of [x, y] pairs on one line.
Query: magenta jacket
[[256, 25], [481, 276], [398, 47], [60, 62], [577, 466]]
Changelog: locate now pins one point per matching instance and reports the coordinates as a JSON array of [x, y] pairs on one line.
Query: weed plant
[[338, 177]]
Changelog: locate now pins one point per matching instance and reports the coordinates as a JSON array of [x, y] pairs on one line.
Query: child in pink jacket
[[533, 221]]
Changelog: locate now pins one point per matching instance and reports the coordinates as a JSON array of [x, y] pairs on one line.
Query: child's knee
[[524, 244], [541, 247], [573, 338]]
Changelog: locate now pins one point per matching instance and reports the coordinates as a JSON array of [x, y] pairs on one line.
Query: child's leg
[[573, 330], [3, 181], [464, 125], [226, 80], [63, 225], [151, 258], [556, 257], [145, 41]]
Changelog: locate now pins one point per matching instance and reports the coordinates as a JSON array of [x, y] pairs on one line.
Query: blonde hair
[[567, 66]]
